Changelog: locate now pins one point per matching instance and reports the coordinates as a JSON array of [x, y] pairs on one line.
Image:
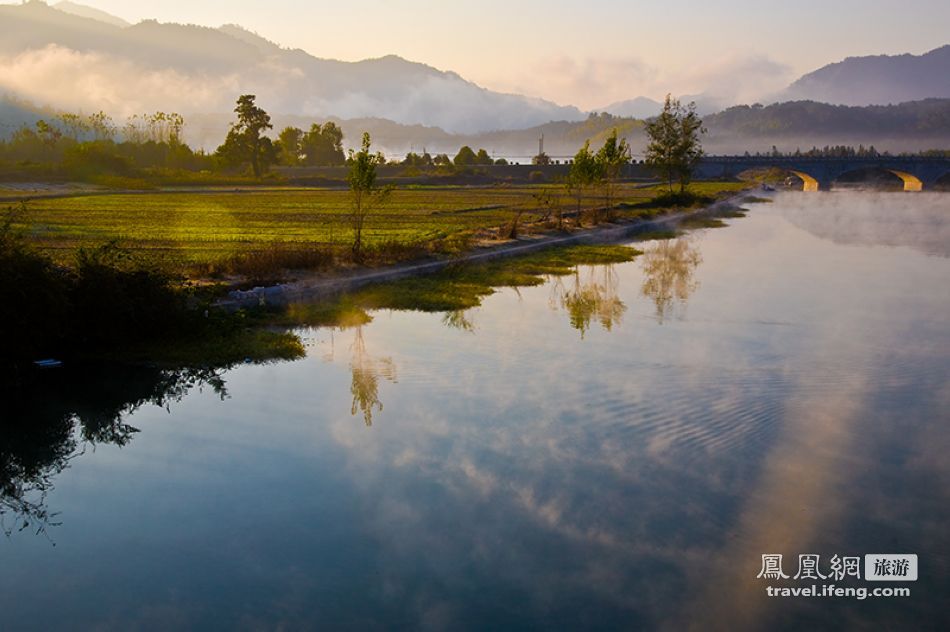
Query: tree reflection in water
[[51, 418], [592, 296], [668, 269], [366, 372], [459, 319]]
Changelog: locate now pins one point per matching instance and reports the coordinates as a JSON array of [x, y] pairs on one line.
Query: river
[[614, 449]]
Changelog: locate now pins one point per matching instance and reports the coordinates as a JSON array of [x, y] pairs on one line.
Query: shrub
[[34, 303], [118, 298]]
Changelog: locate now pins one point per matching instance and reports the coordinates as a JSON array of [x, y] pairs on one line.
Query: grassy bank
[[216, 233], [457, 288], [65, 297]]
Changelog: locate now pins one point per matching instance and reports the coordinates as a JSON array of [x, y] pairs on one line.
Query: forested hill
[[914, 118], [877, 79]]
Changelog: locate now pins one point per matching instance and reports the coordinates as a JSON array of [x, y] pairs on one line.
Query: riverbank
[[115, 304], [324, 286]]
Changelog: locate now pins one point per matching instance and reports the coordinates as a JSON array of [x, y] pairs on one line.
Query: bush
[[95, 159], [261, 267], [118, 298], [34, 303]]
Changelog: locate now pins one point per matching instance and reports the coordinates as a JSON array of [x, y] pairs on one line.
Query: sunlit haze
[[586, 54]]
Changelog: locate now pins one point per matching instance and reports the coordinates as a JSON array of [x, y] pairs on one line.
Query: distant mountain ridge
[[72, 57], [198, 69], [639, 107], [89, 12], [876, 80]]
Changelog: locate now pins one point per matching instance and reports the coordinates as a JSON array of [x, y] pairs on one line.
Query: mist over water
[[918, 221], [616, 448]]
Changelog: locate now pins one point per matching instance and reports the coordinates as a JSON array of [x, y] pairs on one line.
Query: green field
[[197, 228]]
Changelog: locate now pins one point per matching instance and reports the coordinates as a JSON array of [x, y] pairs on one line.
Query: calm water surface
[[615, 449]]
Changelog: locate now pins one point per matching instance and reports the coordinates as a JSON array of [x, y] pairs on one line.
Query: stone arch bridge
[[918, 173]]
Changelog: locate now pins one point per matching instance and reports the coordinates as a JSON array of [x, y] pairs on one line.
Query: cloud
[[593, 83], [736, 78], [93, 81], [586, 83], [70, 79]]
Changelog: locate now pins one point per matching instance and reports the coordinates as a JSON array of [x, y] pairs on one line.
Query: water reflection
[[523, 480], [366, 371], [55, 417], [668, 269], [592, 295], [459, 319]]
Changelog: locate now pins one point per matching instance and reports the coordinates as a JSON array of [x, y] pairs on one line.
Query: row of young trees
[[673, 151], [601, 169], [95, 145]]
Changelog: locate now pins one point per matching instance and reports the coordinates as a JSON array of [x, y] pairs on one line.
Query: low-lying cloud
[[593, 83], [92, 81], [74, 80]]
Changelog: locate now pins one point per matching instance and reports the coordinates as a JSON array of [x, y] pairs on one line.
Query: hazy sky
[[584, 52]]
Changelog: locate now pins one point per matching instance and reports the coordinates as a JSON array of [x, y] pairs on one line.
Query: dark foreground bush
[[34, 299], [117, 298], [110, 299]]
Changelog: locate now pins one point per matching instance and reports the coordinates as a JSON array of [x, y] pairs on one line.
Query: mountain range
[[876, 80], [49, 55], [74, 57]]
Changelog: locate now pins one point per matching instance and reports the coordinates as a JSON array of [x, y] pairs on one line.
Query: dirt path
[[319, 287]]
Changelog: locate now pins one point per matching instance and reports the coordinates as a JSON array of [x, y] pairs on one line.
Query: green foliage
[[365, 193], [34, 302], [258, 230], [541, 159], [88, 160], [84, 148], [465, 157], [289, 150], [613, 156], [610, 161], [482, 158], [118, 296], [583, 175], [113, 301], [413, 159], [674, 147], [924, 118], [323, 145], [245, 142], [458, 288], [584, 168]]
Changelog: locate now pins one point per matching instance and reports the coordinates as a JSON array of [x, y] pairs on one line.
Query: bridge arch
[[810, 183], [874, 173], [911, 182]]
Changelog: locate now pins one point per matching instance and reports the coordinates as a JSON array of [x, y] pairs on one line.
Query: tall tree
[[289, 149], [465, 157], [323, 145], [365, 192], [583, 174], [246, 141], [611, 159], [690, 149], [674, 148]]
